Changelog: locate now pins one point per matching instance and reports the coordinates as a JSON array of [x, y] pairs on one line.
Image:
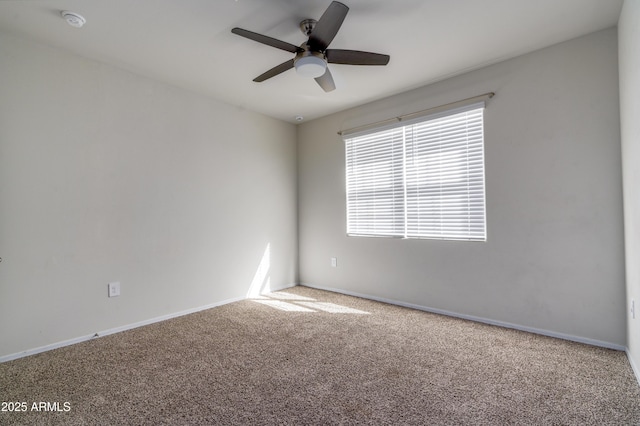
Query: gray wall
[[629, 62], [553, 261], [107, 176]]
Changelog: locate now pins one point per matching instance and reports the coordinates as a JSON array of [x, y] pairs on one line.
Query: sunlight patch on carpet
[[332, 308], [282, 295], [294, 303], [284, 306]]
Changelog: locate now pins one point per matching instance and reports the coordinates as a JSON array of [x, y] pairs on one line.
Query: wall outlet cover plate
[[114, 289]]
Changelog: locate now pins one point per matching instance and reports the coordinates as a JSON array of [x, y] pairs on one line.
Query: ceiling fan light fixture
[[310, 66]]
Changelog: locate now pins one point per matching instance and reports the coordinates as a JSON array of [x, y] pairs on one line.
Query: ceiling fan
[[312, 56]]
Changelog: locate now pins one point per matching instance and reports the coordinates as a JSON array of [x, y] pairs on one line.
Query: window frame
[[452, 227]]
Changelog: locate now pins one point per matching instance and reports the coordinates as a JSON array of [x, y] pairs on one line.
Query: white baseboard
[[46, 348], [114, 330], [634, 367], [548, 333]]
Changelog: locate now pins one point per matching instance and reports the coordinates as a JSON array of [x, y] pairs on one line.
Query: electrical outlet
[[114, 289], [334, 262]]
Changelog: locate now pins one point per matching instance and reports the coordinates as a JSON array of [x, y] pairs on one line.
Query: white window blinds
[[375, 181], [421, 180]]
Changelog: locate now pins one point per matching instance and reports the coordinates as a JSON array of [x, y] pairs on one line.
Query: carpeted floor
[[308, 357]]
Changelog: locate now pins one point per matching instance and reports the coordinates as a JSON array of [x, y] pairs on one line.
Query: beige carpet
[[305, 356]]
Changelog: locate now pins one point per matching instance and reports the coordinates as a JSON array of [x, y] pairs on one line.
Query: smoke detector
[[73, 19]]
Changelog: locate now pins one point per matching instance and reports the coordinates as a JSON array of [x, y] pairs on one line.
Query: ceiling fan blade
[[326, 81], [269, 41], [279, 69], [327, 26], [355, 57]]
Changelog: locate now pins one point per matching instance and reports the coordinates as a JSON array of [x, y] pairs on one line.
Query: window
[[424, 179]]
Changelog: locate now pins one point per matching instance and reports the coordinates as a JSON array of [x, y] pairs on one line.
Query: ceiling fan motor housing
[[307, 26]]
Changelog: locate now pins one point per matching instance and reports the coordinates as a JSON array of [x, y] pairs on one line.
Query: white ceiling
[[188, 43]]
